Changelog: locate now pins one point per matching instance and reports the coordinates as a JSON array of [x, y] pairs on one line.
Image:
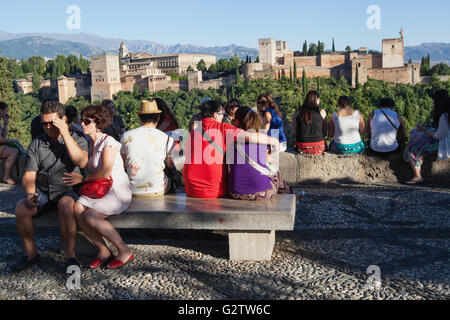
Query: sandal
[[97, 262], [116, 263]]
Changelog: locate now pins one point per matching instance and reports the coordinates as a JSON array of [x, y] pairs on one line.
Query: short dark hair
[[387, 103], [107, 101], [3, 105], [49, 106], [149, 118], [100, 114], [209, 108], [71, 113]]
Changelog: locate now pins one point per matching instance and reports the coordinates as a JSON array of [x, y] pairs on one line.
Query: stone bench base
[[251, 225]]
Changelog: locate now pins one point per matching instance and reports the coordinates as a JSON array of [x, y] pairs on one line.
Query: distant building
[[276, 59], [73, 86], [105, 73], [167, 62]]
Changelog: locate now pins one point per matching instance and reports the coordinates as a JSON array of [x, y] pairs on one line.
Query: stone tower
[[393, 52], [267, 50], [123, 50], [105, 77]]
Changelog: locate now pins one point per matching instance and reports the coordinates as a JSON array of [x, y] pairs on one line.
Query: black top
[[312, 132], [114, 129], [52, 160]]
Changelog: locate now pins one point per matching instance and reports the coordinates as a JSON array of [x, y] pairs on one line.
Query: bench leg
[[251, 245]]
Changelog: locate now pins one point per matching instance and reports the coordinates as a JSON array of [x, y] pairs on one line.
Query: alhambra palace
[[111, 73]]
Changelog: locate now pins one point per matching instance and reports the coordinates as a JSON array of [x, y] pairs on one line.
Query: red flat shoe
[[116, 263], [98, 262]]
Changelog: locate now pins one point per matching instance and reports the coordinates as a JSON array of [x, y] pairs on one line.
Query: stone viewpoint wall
[[296, 168]]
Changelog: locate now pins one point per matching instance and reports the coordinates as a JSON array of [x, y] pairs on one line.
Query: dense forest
[[412, 102]]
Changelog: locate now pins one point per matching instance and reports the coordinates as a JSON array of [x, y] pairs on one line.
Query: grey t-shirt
[[52, 160]]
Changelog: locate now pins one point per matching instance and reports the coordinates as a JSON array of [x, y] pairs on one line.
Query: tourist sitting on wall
[[197, 117], [9, 148], [385, 129], [146, 153], [117, 127], [168, 121], [345, 126], [73, 119], [205, 170], [230, 109], [272, 118], [428, 141], [310, 126], [91, 211], [49, 157], [249, 176]]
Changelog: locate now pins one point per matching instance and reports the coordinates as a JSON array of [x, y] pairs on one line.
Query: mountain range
[[24, 45]]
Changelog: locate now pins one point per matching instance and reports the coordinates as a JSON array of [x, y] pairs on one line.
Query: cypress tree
[[238, 76], [305, 48], [290, 74], [304, 82], [295, 71], [333, 48], [357, 77]]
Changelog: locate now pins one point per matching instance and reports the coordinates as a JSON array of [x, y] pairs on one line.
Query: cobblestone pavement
[[340, 230]]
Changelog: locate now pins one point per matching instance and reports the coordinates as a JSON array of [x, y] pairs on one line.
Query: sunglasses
[[44, 124], [86, 121]]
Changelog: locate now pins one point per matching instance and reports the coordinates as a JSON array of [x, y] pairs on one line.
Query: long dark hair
[[248, 119], [309, 105], [272, 104], [441, 105], [166, 112]]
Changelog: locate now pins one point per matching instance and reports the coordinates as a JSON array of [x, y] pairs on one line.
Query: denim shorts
[[47, 205]]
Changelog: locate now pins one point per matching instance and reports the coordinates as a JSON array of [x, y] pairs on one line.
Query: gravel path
[[340, 230]]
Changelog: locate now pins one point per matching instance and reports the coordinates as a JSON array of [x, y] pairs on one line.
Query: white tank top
[[346, 129], [384, 135]]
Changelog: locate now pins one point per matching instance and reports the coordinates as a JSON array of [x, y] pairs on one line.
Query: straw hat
[[149, 107]]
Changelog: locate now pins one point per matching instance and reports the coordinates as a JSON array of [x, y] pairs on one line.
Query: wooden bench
[[251, 225]]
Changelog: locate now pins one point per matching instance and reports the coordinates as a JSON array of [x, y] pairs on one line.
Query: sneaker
[[71, 262], [25, 263]]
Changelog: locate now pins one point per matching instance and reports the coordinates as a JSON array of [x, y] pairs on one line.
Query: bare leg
[[25, 227], [92, 234], [11, 155], [67, 225], [96, 220], [417, 175]]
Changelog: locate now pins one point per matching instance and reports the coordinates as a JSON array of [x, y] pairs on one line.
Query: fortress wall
[[332, 60]]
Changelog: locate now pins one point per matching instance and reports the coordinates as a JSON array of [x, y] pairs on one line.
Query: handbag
[[95, 188]]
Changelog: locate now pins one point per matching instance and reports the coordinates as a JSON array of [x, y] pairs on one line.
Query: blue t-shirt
[[276, 124]]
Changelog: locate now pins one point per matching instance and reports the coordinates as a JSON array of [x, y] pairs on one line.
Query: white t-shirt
[[146, 149], [384, 135]]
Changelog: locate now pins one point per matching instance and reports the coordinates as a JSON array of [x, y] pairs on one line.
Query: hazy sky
[[241, 22]]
